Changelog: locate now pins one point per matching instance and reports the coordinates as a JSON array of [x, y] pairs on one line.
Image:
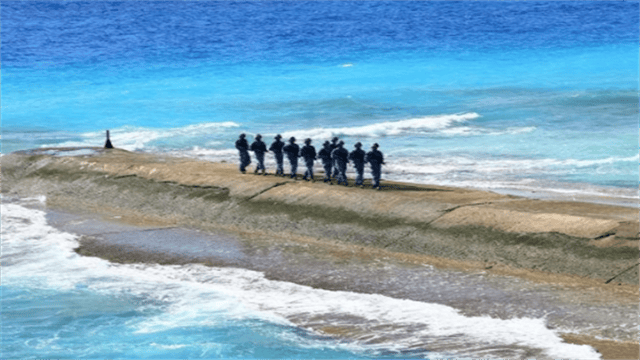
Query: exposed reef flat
[[562, 237], [572, 245]]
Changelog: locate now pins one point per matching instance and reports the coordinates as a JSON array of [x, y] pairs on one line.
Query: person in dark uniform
[[308, 153], [325, 155], [334, 145], [292, 150], [340, 156], [357, 158], [259, 148], [375, 160], [276, 148], [243, 147]]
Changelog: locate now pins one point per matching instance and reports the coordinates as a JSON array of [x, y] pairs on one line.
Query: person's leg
[[294, 167], [310, 169], [327, 171], [261, 162], [255, 171], [279, 159], [245, 160], [359, 176], [373, 176], [376, 177], [343, 172]]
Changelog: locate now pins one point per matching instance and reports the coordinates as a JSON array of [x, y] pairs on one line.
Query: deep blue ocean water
[[506, 96]]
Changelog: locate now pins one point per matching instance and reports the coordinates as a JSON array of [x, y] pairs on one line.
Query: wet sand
[[561, 253]]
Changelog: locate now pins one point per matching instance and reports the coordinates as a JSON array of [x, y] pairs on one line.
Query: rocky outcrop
[[584, 239]]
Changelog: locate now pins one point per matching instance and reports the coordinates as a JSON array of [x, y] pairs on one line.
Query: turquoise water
[[571, 128], [57, 304], [505, 96], [47, 323]]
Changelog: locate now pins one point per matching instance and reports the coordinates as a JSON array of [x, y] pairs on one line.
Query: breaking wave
[[427, 124], [137, 138]]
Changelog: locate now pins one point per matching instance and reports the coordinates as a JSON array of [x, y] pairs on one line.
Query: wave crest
[[425, 124], [136, 138]]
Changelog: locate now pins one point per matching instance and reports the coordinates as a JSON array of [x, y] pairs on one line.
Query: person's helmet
[[258, 137], [326, 143], [341, 143], [307, 141], [278, 137], [292, 139], [358, 144], [242, 136], [335, 138], [375, 145]]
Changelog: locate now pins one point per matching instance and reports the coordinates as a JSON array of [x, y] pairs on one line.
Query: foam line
[[387, 128], [136, 138], [463, 171]]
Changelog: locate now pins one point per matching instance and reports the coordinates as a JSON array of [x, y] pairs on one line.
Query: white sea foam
[[198, 151], [517, 174], [504, 173], [136, 138], [37, 255], [498, 166], [170, 347], [534, 188], [475, 131], [427, 124], [513, 176]]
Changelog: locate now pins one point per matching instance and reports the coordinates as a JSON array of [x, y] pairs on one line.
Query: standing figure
[[293, 152], [340, 159], [325, 155], [308, 153], [357, 157], [276, 148], [334, 145], [243, 147], [375, 159], [259, 148]]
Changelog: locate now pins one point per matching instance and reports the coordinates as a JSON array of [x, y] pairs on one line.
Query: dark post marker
[[108, 145]]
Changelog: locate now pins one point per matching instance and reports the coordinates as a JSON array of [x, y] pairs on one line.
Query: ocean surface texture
[[526, 95], [506, 96]]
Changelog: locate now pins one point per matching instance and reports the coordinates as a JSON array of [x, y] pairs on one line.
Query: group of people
[[333, 155]]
